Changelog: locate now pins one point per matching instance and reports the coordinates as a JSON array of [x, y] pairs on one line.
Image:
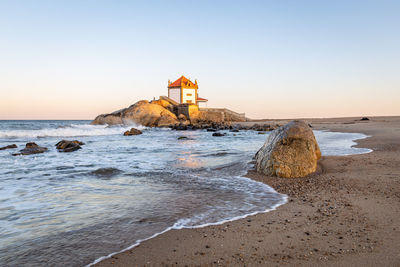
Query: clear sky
[[270, 59]]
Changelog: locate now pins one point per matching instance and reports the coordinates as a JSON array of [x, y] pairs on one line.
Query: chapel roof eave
[[183, 82]]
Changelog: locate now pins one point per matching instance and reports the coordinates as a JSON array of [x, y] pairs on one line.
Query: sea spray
[[71, 130]]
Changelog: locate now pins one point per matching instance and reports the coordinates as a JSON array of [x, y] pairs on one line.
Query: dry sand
[[347, 214]]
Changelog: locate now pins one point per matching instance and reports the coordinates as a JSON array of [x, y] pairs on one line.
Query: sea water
[[75, 208]]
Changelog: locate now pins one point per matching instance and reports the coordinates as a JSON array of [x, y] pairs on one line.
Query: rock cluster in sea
[[291, 151], [31, 148], [69, 146]]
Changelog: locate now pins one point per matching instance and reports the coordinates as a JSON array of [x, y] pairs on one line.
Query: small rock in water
[[218, 134], [68, 146], [8, 147], [211, 130], [106, 172], [182, 138], [132, 131], [31, 148]]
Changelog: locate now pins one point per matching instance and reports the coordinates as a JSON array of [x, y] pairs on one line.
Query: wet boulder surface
[[31, 148], [8, 147], [68, 146], [132, 131], [291, 151]]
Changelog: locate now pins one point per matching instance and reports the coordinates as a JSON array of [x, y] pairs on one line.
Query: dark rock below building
[[180, 127]]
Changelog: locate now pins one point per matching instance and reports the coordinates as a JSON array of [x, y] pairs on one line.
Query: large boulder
[[107, 119], [31, 148], [161, 102], [142, 112], [291, 151], [147, 114], [113, 118]]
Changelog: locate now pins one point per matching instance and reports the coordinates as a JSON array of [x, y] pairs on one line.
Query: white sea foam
[[68, 131], [340, 144], [185, 223]]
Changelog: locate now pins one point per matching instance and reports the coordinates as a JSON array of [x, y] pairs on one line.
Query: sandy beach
[[346, 214], [162, 133]]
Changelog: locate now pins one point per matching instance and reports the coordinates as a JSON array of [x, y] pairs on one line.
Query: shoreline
[[306, 208], [171, 228]]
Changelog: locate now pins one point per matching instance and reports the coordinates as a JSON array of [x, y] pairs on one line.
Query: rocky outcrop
[[8, 147], [163, 103], [165, 112], [132, 131], [182, 117], [68, 146], [31, 148], [142, 112], [109, 119], [291, 151], [151, 115]]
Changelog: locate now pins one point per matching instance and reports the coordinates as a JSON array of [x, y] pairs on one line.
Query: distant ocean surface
[[73, 208]]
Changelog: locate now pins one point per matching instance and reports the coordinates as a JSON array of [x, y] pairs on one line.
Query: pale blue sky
[[270, 59]]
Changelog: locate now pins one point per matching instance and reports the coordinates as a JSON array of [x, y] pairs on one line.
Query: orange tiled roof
[[202, 99], [183, 82]]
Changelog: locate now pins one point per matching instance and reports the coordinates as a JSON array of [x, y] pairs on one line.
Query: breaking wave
[[68, 131]]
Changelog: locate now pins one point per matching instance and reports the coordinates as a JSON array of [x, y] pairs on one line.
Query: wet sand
[[346, 214]]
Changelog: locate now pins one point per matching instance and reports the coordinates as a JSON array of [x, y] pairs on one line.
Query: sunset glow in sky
[[270, 59]]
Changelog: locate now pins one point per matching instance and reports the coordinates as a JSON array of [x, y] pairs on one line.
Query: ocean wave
[[192, 223], [71, 130]]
